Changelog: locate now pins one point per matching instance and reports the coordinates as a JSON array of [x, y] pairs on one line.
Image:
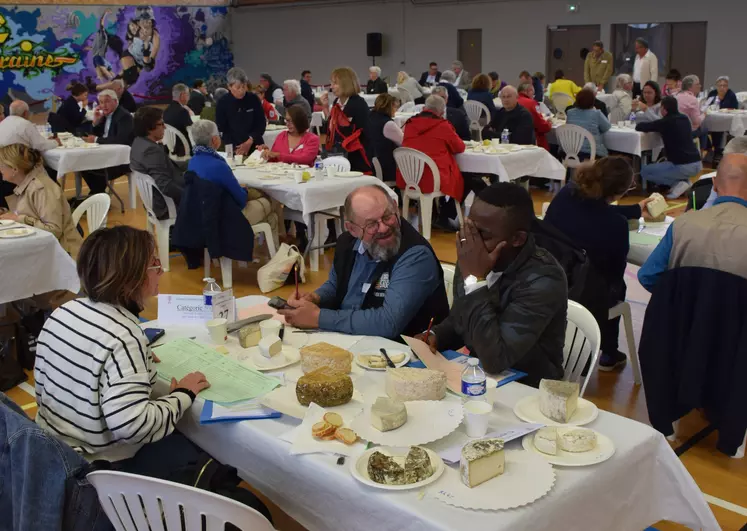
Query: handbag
[[11, 373], [274, 273]]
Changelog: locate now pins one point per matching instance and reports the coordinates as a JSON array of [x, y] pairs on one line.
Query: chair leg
[[741, 449], [460, 217], [266, 231], [426, 209], [162, 237], [226, 272], [133, 191], [206, 266], [630, 337], [115, 194], [78, 184], [406, 207]]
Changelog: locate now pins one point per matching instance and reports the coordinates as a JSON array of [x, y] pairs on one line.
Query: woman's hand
[[270, 155], [644, 210], [642, 106], [262, 147], [11, 216], [194, 381], [244, 148]]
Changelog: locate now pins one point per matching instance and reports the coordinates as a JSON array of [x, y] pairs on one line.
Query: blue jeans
[[669, 174]]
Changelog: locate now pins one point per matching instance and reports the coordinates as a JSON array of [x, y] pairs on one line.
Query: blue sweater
[[484, 97], [593, 121], [210, 166]]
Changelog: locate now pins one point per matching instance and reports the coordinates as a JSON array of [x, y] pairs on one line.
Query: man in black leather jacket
[[510, 296]]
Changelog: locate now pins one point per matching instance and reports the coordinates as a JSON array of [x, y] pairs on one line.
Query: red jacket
[[541, 126], [270, 113], [305, 152], [436, 138]]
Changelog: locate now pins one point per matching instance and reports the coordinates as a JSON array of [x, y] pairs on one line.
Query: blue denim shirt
[[42, 480]]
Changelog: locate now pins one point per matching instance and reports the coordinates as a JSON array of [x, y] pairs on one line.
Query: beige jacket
[[40, 203], [598, 70], [649, 68]]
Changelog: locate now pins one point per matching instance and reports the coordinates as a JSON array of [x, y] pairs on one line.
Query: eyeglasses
[[156, 265], [372, 227]]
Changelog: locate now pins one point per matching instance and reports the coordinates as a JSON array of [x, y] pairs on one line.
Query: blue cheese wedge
[[558, 400], [270, 346], [482, 460], [388, 414]]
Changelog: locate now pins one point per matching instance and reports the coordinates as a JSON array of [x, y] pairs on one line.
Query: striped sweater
[[94, 375]]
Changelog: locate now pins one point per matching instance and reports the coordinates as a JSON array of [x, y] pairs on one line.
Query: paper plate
[[348, 174], [359, 468], [527, 409], [284, 400], [389, 352], [6, 222], [427, 421], [526, 479], [253, 358], [20, 232], [304, 443], [604, 450]]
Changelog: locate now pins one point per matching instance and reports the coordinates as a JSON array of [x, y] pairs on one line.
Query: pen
[[428, 332]]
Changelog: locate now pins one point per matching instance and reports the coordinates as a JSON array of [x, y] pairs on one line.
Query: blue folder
[[453, 355]]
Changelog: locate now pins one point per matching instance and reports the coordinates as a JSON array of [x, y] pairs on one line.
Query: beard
[[385, 252]]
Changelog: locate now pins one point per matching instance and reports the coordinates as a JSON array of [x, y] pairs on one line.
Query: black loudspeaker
[[373, 44]]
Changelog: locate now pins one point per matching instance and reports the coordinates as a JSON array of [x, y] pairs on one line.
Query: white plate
[[6, 222], [20, 232], [604, 450], [348, 174], [359, 468], [527, 409], [253, 358], [427, 421], [390, 353], [526, 479]]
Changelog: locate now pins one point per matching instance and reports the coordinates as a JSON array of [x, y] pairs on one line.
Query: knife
[[388, 360], [233, 327]]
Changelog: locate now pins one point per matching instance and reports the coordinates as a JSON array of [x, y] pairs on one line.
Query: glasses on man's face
[[156, 265], [389, 219]]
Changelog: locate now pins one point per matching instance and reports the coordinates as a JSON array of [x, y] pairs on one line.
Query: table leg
[[311, 251], [131, 185], [78, 184]]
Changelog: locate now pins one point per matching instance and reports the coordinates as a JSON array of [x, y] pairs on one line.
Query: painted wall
[[44, 48], [285, 40]]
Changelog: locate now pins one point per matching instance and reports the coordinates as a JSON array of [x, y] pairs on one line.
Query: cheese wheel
[[407, 383]]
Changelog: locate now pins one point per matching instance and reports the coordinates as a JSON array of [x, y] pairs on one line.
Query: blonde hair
[[346, 80], [20, 157], [402, 77]]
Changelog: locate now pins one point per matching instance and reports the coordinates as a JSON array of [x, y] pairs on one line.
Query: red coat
[[541, 126], [436, 138]]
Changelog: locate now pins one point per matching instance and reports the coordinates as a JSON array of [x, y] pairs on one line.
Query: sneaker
[[678, 189], [610, 362]]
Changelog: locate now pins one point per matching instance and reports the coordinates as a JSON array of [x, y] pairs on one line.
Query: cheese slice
[[250, 335], [481, 461], [558, 400], [270, 346], [576, 440], [407, 383], [656, 207], [546, 441], [388, 414]]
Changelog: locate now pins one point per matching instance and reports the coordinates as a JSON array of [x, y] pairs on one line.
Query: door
[[469, 50], [567, 47], [687, 49]]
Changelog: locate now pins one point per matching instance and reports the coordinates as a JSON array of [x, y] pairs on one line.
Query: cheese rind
[[558, 400], [576, 440], [324, 354], [250, 335], [324, 387], [388, 414], [481, 461], [418, 466], [546, 441], [270, 346], [657, 205], [384, 469], [407, 383]]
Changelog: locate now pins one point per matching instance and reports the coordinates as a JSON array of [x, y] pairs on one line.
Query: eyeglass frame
[[156, 265], [375, 223]]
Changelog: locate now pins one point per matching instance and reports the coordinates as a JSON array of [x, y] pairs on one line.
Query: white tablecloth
[[642, 483], [625, 140], [527, 162], [33, 265], [639, 253], [733, 123], [66, 160]]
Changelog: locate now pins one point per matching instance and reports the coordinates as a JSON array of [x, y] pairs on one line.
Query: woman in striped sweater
[[94, 370]]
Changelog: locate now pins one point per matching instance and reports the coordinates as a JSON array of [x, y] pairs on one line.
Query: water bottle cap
[[208, 279], [473, 362]]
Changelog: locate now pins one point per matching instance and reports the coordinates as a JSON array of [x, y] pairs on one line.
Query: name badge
[[604, 61], [366, 287]]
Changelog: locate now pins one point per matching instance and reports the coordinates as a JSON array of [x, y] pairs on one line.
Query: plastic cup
[[217, 330], [331, 171], [270, 328], [621, 123], [476, 415], [298, 177]]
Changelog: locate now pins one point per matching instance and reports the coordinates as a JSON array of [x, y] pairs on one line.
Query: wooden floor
[[718, 476]]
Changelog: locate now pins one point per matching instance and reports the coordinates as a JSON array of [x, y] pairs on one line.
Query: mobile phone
[[154, 334], [278, 303]]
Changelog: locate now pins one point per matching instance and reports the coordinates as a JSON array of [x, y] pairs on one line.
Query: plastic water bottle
[[211, 288], [632, 118], [318, 166], [505, 135], [473, 381]]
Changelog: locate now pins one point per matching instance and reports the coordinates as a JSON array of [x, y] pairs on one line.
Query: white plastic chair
[[226, 264], [141, 503], [339, 163], [96, 208], [407, 107], [582, 340], [380, 173], [571, 139], [419, 107], [145, 186], [561, 101], [411, 164], [475, 111], [622, 309], [449, 270], [170, 137]]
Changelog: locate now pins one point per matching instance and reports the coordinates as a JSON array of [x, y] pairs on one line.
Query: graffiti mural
[[44, 48]]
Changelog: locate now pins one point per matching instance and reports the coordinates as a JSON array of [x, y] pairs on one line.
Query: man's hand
[[97, 116], [244, 148], [474, 258], [312, 296], [303, 314], [430, 341], [644, 211], [600, 87], [90, 139], [194, 381]]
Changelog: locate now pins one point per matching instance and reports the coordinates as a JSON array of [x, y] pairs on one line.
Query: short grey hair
[[375, 69], [237, 75], [458, 64], [110, 93], [292, 85], [178, 90], [591, 86], [622, 80], [689, 81], [435, 104], [738, 144], [203, 132], [219, 93], [523, 87], [722, 78], [449, 76], [18, 108], [438, 90]]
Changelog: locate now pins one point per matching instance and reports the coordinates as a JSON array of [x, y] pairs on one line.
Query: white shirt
[[277, 95], [491, 279], [107, 124], [431, 79], [637, 66], [458, 79], [18, 130], [393, 132]]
